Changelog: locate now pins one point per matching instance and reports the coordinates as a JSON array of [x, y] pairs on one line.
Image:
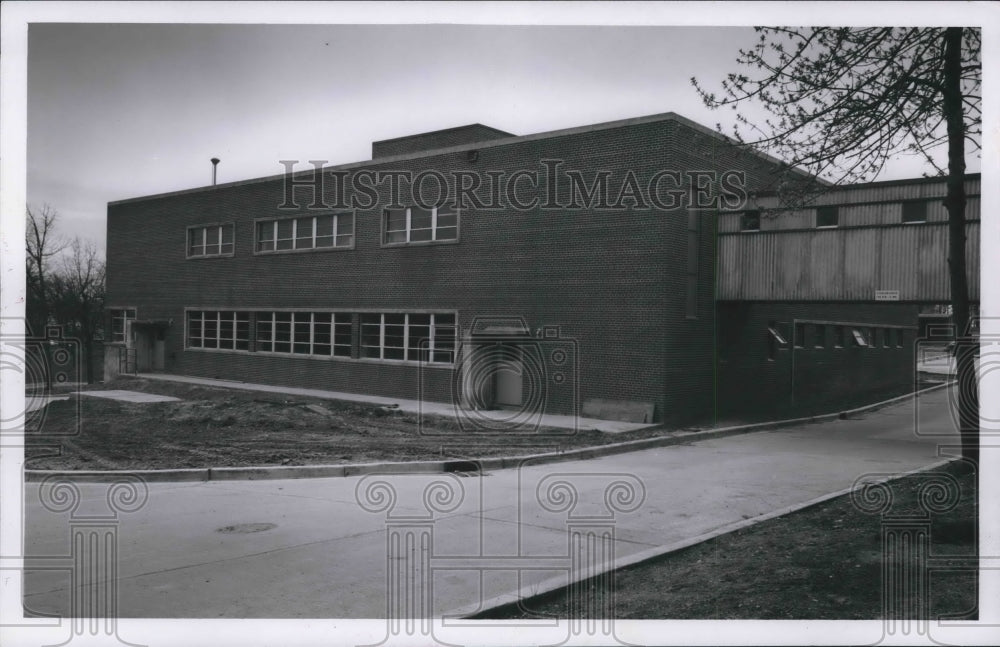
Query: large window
[[304, 333], [119, 323], [210, 240], [325, 231], [408, 337], [220, 329], [415, 225]]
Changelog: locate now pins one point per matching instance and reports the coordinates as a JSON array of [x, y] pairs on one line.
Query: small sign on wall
[[887, 295]]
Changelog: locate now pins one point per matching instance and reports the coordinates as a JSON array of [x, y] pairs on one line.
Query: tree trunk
[[966, 346]]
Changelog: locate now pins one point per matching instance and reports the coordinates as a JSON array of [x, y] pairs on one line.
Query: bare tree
[[77, 297], [845, 100], [42, 243]]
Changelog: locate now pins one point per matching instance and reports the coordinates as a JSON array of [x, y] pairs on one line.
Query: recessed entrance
[[510, 378]]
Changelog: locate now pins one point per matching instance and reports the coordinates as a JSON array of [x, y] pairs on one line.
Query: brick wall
[[613, 281]]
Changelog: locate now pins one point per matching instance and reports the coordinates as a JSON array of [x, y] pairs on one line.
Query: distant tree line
[[65, 285]]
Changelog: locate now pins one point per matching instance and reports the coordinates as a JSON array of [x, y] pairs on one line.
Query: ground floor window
[[304, 333], [415, 337], [425, 337], [220, 329], [119, 323]]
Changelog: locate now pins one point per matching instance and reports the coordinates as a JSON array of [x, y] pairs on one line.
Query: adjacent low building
[[642, 269]]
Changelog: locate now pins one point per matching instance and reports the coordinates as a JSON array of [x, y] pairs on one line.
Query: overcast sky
[[125, 110]]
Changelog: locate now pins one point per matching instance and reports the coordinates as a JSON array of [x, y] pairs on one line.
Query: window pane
[[420, 218], [420, 235], [324, 225], [196, 245], [284, 234], [321, 349], [227, 234], [212, 239], [447, 219], [395, 220], [265, 236], [303, 233], [345, 223], [447, 233], [914, 211], [826, 217]]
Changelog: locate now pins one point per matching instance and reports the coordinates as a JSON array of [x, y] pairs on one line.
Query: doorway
[[510, 377]]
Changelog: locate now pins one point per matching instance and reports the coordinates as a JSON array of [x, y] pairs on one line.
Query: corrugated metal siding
[[843, 264]]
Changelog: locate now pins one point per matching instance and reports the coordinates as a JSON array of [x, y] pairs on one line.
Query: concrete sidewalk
[[498, 534], [409, 406]]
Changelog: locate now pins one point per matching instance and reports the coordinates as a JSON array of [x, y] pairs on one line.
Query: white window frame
[[125, 319], [202, 230], [433, 326], [295, 315], [337, 235], [234, 319], [408, 230]]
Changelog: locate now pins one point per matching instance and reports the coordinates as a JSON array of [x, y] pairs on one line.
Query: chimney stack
[[215, 164]]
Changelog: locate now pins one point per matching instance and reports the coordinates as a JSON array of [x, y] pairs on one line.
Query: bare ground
[[216, 427]]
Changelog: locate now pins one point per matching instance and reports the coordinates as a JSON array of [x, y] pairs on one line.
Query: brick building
[[560, 272]]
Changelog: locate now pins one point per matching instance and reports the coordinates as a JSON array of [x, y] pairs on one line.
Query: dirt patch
[[821, 563], [216, 427]]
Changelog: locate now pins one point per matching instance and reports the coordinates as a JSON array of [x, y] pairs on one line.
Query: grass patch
[[823, 562]]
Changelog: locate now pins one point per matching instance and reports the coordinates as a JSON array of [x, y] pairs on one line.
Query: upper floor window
[[914, 212], [309, 232], [827, 217], [119, 323], [417, 225], [210, 240], [750, 221]]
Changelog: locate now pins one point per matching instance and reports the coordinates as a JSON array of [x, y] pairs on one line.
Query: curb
[[255, 473], [528, 592]]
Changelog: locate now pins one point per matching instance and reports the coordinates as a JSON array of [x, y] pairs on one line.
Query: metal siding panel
[[898, 262], [824, 264], [932, 246], [859, 262]]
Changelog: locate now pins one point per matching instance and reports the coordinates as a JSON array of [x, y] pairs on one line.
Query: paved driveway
[[192, 549]]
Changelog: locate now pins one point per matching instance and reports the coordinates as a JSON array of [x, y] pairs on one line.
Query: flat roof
[[505, 141]]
